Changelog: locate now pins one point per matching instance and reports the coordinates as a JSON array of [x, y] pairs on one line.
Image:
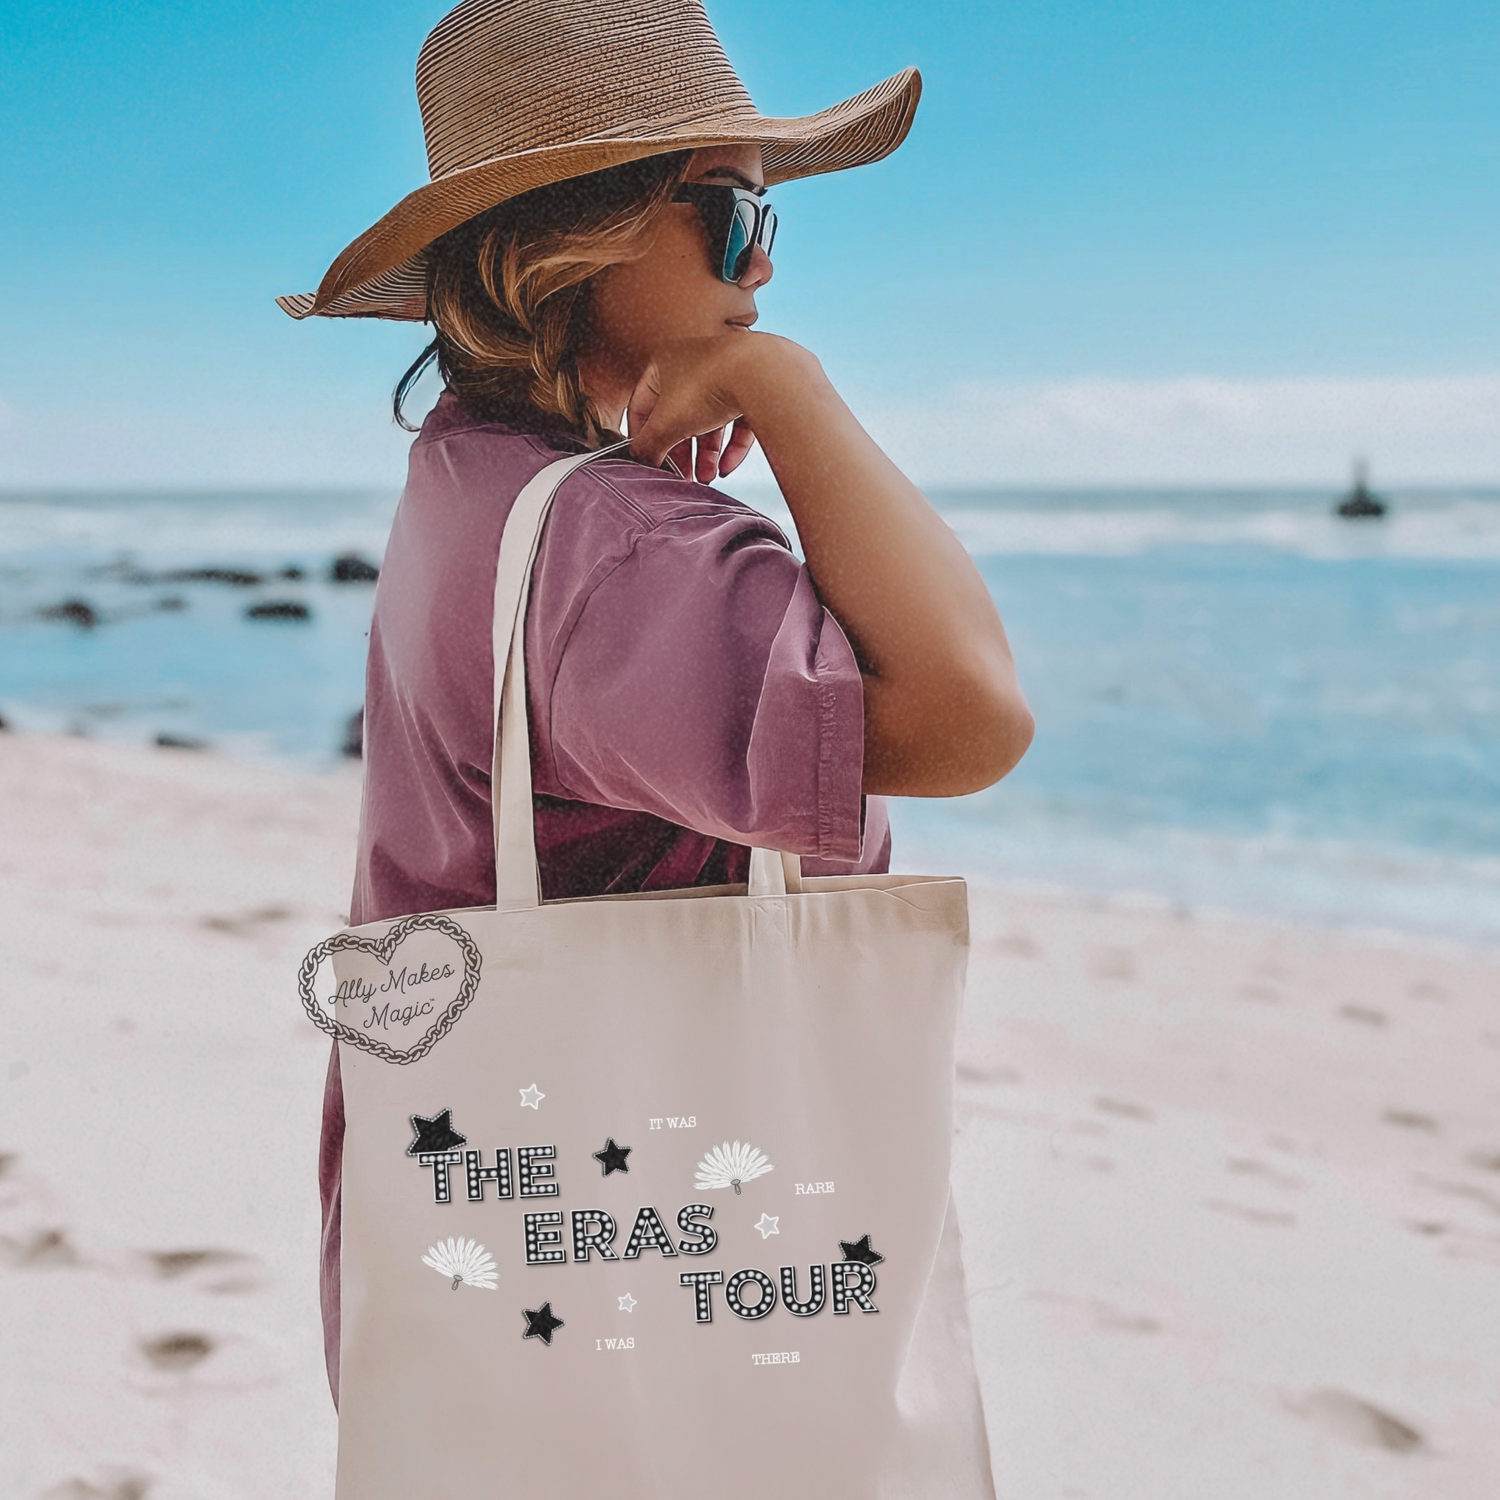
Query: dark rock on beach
[[124, 570], [1359, 504], [351, 568], [76, 611], [239, 578], [291, 573], [353, 747], [179, 742], [279, 609]]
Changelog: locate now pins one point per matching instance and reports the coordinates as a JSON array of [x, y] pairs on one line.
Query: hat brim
[[381, 274]]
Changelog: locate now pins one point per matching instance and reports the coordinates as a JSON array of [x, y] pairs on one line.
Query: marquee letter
[[748, 1310], [440, 1161], [599, 1240], [649, 1234], [817, 1290], [700, 1281], [858, 1290], [528, 1170], [708, 1238], [477, 1176], [538, 1238]]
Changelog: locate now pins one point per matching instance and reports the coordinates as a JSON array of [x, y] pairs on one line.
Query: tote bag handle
[[517, 879]]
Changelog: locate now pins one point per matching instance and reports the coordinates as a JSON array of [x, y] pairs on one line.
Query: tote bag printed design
[[646, 1197], [404, 992]]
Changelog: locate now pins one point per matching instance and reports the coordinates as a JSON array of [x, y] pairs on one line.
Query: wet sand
[[1231, 1189]]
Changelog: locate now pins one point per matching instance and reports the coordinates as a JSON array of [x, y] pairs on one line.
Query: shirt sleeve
[[703, 681]]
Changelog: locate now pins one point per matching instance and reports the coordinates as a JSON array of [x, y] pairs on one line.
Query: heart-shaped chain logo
[[395, 996]]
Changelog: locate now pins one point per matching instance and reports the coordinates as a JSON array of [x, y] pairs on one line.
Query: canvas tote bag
[[646, 1197]]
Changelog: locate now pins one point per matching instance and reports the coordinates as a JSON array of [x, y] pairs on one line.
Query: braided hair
[[508, 292]]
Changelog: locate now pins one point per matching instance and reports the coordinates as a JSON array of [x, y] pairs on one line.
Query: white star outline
[[767, 1226], [627, 1302], [531, 1098]]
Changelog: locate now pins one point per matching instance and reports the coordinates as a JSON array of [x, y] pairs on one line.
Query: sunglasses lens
[[740, 242], [767, 227]]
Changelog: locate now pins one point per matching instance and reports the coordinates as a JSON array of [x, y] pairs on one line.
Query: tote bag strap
[[517, 879]]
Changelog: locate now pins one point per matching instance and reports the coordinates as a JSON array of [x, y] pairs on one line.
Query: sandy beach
[[1231, 1189]]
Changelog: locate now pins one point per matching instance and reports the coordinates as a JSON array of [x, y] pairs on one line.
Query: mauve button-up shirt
[[689, 696]]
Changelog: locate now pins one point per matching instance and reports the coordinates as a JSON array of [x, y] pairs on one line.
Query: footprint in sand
[[179, 1360], [1409, 1119], [41, 1250], [247, 923], [114, 1484], [1250, 1214], [976, 1074], [1019, 944], [176, 1353], [1468, 1190], [217, 1271], [1267, 992], [1114, 963], [1248, 1166], [1358, 1420], [1105, 1314], [1122, 1107], [32, 1240], [1113, 1318], [1424, 989]]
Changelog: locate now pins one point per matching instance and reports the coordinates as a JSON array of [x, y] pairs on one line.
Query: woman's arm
[[944, 714]]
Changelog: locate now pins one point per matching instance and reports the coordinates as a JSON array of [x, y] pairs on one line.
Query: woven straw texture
[[516, 94]]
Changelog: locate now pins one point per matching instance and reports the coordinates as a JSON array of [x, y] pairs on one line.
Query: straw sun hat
[[516, 94]]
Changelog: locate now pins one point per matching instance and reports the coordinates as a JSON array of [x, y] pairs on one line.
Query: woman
[[589, 253]]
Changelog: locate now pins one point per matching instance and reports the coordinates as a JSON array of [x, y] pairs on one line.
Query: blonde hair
[[508, 292]]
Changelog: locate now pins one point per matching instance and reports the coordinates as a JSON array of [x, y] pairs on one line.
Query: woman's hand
[[685, 396], [944, 713]]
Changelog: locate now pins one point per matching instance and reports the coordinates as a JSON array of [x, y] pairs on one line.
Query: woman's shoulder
[[465, 472], [450, 432], [477, 458], [659, 500]]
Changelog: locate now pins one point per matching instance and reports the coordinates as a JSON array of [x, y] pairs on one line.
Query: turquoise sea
[[1242, 702]]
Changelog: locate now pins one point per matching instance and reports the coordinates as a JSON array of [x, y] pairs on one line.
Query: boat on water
[[1360, 504]]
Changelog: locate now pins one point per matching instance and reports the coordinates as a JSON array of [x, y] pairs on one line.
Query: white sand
[[1232, 1190]]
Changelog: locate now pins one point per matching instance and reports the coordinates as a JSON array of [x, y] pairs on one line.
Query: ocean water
[[268, 690], [1241, 701]]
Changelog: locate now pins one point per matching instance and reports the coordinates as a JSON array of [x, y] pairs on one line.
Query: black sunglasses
[[736, 220]]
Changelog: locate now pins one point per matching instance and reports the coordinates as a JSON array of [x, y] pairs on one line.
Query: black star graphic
[[436, 1134], [612, 1157], [861, 1250], [540, 1324]]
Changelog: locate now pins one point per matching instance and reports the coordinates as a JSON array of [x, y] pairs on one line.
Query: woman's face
[[673, 291]]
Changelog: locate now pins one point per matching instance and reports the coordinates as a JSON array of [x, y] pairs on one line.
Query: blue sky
[[1163, 221]]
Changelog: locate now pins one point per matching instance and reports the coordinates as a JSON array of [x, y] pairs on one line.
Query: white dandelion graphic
[[729, 1166], [464, 1260]]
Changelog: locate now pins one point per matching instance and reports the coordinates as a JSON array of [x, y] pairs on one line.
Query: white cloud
[[1197, 429]]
